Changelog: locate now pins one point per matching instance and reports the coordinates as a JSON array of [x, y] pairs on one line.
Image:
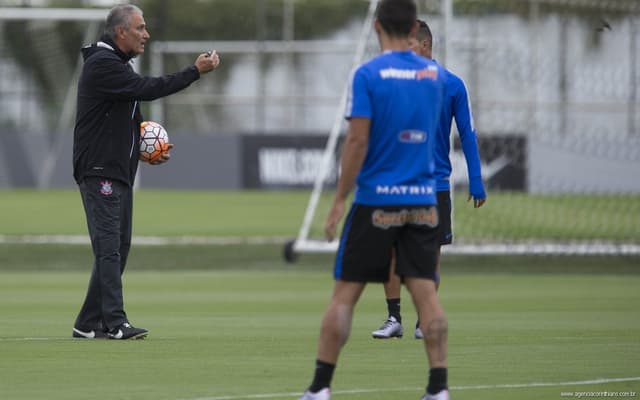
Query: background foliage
[[253, 20]]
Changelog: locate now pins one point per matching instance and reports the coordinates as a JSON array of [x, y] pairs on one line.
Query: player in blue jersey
[[388, 156], [456, 105]]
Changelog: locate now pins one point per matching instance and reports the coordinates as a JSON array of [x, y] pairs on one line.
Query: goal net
[[554, 89], [37, 100]]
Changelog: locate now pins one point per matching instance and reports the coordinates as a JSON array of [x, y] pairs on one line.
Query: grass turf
[[505, 216], [225, 334], [236, 322]]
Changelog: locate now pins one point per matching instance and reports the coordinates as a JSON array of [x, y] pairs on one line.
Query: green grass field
[[236, 322], [505, 216], [224, 334]]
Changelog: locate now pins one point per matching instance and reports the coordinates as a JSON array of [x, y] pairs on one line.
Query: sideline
[[147, 240], [453, 388], [524, 248]]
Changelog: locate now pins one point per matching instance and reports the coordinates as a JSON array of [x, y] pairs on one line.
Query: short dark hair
[[119, 15], [424, 32], [397, 16]]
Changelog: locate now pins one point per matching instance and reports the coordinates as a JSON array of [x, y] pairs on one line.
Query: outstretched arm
[[117, 80]]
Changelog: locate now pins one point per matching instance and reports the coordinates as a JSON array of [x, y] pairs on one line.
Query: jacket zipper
[[133, 134]]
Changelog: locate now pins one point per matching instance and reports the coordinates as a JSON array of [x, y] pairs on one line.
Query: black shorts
[[444, 211], [371, 233]]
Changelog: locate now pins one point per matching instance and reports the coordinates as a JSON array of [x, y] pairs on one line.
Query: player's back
[[398, 168]]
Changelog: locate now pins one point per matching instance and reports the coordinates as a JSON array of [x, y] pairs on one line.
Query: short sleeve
[[359, 96]]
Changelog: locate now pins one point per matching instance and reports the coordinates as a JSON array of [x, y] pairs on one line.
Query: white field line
[[64, 338], [470, 387], [146, 240], [545, 248], [519, 248], [373, 390]]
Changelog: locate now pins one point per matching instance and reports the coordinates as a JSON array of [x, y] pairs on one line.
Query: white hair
[[120, 15]]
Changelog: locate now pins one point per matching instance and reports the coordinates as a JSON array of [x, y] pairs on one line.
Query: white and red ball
[[154, 141]]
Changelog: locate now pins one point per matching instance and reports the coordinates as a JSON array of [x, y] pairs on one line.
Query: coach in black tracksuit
[[105, 159]]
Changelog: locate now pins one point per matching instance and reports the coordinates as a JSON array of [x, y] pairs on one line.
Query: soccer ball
[[154, 140]]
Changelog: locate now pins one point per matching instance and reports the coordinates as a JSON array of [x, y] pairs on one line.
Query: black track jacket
[[107, 131]]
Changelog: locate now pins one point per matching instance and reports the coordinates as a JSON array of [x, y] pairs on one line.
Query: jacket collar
[[108, 43]]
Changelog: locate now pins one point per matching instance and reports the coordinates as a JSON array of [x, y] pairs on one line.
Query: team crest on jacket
[[106, 188]]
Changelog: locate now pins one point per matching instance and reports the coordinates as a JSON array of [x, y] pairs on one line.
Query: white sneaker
[[441, 395], [418, 334], [324, 394], [390, 329]]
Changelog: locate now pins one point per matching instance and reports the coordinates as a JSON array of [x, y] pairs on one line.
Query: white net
[[553, 86], [555, 106]]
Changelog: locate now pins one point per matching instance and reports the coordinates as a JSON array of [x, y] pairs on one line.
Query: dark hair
[[397, 16], [424, 33], [119, 15]]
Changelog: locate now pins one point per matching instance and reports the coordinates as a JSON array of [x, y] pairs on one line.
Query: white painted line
[[471, 387], [547, 384], [31, 339], [147, 240], [64, 338], [316, 246]]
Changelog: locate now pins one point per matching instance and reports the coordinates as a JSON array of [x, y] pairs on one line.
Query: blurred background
[[553, 85], [540, 285]]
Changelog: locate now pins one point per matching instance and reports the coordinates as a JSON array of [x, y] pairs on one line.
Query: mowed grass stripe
[[506, 216], [236, 332]]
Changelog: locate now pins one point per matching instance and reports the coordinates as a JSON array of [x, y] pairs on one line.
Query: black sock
[[437, 380], [322, 376], [393, 306]]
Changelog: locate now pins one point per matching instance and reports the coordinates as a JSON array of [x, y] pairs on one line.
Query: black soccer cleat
[[126, 331]]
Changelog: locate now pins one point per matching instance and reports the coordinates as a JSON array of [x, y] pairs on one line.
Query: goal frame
[[304, 244]]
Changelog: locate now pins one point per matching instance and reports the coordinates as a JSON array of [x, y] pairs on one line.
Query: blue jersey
[[401, 94], [456, 105]]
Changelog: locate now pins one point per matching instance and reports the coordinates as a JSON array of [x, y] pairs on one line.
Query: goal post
[[303, 243], [62, 102], [559, 136]]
